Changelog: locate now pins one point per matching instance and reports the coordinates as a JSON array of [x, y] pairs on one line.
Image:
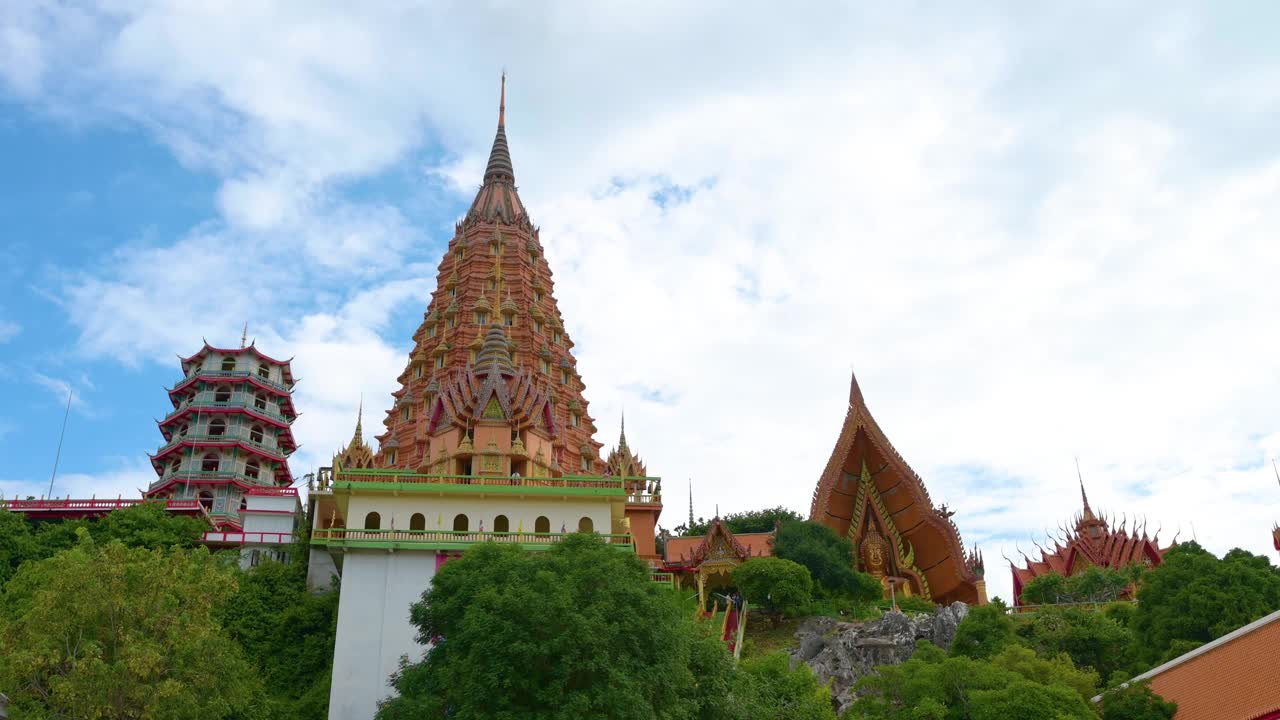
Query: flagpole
[[58, 455]]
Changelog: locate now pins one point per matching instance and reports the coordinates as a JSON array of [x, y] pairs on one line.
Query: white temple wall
[[378, 587]]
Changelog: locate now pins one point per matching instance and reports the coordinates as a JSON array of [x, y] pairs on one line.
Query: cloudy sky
[[1035, 235]]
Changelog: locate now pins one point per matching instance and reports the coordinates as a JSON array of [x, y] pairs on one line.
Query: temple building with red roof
[[870, 494], [707, 561], [1091, 542]]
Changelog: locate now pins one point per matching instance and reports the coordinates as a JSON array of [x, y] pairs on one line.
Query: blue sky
[[1037, 234]]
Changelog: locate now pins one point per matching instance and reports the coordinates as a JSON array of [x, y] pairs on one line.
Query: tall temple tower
[[488, 440], [226, 445], [494, 275]]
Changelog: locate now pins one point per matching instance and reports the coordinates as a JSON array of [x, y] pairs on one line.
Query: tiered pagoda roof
[[493, 287], [1091, 541], [869, 494]]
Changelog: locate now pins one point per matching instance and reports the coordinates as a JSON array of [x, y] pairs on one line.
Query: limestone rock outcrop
[[843, 652]]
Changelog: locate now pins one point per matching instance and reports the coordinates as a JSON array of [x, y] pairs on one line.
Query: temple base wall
[[373, 626]]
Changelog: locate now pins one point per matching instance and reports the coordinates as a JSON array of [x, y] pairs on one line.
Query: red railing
[[247, 538], [276, 491], [90, 505]]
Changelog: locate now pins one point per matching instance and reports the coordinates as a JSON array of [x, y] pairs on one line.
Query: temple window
[[585, 525], [206, 500], [493, 284], [542, 524], [391, 457], [218, 427], [460, 523], [509, 320], [574, 419], [482, 317], [373, 521], [537, 296], [251, 469], [453, 292], [564, 377], [264, 370], [431, 331], [228, 364], [439, 362], [453, 321], [533, 258], [501, 524], [586, 464], [461, 254], [537, 326], [418, 522], [260, 401], [255, 434], [417, 371], [405, 413], [546, 366], [493, 249], [555, 337], [222, 395]]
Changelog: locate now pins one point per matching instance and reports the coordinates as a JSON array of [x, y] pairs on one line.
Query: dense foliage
[[575, 631], [829, 559], [1014, 683], [120, 632], [768, 687], [985, 632], [1194, 597], [774, 585], [132, 577], [751, 521], [1092, 585], [1091, 639], [1136, 702]]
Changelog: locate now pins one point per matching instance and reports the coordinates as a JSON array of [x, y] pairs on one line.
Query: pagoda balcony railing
[[212, 476], [272, 450], [90, 505], [236, 401], [235, 374], [273, 491], [217, 537], [446, 539], [643, 499], [399, 480]]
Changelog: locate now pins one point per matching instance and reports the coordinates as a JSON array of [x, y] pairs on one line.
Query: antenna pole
[[58, 455]]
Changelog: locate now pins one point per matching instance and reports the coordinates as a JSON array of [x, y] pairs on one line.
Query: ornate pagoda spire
[[497, 200], [1088, 511]]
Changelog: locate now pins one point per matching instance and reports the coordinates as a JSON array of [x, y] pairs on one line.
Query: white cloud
[[9, 330], [1030, 250]]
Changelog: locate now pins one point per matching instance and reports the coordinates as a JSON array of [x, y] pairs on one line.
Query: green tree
[[984, 632], [933, 686], [776, 585], [1136, 702], [575, 631], [116, 632], [768, 687], [1195, 597], [287, 633], [149, 525], [16, 543], [829, 558], [1092, 639]]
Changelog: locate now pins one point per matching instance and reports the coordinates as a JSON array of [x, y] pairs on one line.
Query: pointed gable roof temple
[[357, 454], [870, 494], [1092, 541]]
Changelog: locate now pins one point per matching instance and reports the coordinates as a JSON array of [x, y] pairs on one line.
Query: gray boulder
[[843, 652]]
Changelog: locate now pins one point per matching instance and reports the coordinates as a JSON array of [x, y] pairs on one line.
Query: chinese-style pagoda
[[869, 494], [1092, 541]]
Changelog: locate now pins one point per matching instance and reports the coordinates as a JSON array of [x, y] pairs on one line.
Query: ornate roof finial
[[244, 334], [502, 101], [622, 435], [1087, 510], [358, 437], [690, 503], [499, 168]]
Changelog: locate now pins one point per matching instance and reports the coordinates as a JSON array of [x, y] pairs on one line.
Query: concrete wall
[[373, 626]]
